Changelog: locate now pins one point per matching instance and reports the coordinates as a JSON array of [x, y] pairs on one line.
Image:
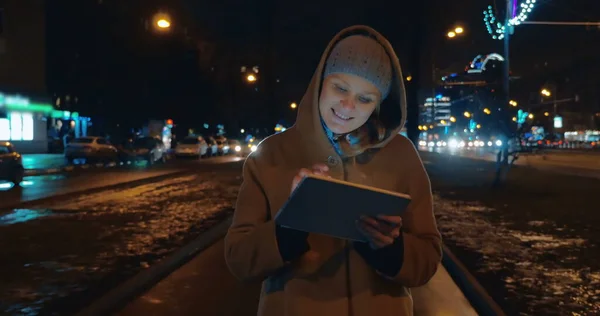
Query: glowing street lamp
[[251, 78], [293, 105], [459, 30], [467, 114], [161, 21], [451, 34], [163, 24], [546, 92]]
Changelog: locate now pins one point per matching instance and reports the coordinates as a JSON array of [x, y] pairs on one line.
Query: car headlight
[[253, 148], [225, 147], [238, 148]]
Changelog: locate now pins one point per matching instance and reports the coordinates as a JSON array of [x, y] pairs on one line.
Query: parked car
[[192, 146], [223, 147], [91, 149], [11, 164], [150, 149]]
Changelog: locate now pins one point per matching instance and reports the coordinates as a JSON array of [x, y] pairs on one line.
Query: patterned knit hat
[[364, 57]]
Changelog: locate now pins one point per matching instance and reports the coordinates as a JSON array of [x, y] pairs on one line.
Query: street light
[[513, 103], [487, 111], [293, 105], [163, 24], [467, 114], [546, 92], [451, 34], [161, 21], [459, 30], [251, 78], [452, 119]]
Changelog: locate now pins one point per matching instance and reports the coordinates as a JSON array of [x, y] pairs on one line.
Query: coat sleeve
[[422, 243], [251, 250]]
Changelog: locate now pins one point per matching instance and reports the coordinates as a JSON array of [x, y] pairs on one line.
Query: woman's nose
[[348, 104]]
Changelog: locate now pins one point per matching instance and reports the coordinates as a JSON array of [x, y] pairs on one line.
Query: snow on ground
[[541, 270]]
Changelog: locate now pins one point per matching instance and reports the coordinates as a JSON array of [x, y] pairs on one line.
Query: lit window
[[4, 129], [27, 126], [16, 127]]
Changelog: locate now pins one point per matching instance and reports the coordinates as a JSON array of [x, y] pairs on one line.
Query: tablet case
[[331, 207]]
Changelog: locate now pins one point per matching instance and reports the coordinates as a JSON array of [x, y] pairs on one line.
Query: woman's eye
[[340, 88], [364, 100]]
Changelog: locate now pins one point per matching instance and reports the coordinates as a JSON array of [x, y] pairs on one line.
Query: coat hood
[[382, 126]]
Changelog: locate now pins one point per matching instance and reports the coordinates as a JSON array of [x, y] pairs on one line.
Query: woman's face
[[347, 101]]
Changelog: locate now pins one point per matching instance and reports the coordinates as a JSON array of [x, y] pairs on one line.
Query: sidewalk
[[204, 286]]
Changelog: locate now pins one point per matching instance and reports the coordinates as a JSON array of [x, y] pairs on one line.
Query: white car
[[91, 148], [191, 147]]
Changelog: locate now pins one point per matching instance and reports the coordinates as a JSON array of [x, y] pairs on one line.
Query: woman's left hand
[[381, 230]]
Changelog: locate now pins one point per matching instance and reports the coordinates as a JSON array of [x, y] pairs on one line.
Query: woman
[[347, 128]]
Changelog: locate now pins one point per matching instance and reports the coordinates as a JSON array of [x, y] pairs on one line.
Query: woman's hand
[[380, 231], [317, 169]]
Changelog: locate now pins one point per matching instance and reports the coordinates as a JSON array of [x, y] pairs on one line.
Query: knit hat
[[364, 57]]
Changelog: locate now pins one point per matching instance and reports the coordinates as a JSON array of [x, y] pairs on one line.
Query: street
[[84, 245]]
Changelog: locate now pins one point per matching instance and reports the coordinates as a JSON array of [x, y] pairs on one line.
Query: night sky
[[102, 52]]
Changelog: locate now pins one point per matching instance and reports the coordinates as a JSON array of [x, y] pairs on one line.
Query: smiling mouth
[[340, 116]]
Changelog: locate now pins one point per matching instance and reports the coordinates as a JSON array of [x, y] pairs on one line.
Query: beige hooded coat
[[332, 278]]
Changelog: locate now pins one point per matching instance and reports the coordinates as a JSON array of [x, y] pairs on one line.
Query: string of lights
[[496, 28]]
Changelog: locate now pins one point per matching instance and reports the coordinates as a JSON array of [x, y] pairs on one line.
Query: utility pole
[[502, 163]]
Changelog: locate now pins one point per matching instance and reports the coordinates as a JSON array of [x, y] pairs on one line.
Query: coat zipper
[[347, 258]]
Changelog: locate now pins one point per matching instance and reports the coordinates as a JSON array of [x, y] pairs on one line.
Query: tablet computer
[[331, 207]]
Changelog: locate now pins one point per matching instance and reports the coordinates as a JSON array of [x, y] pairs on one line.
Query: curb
[[70, 168], [119, 297], [26, 204], [477, 296]]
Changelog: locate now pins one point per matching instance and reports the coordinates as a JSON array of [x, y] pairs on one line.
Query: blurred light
[[431, 144], [293, 105], [409, 78], [163, 24], [546, 92], [467, 114], [422, 143], [459, 30], [452, 119], [242, 131], [238, 148], [453, 143], [490, 144], [470, 144], [461, 144], [498, 143], [451, 34], [251, 78], [530, 116], [420, 127], [546, 114], [478, 125], [253, 148], [514, 118], [487, 111], [439, 144], [513, 103], [443, 122]]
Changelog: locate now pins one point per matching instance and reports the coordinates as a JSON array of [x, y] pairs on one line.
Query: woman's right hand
[[317, 169]]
